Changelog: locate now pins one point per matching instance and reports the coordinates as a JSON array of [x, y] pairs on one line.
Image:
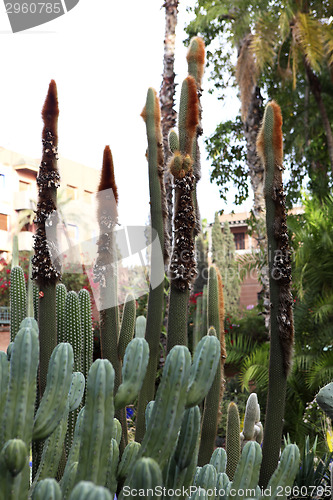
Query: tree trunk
[[167, 95], [256, 171], [252, 113], [315, 88]]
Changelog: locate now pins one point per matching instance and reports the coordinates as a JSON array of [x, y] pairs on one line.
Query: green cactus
[[247, 473], [30, 290], [233, 446], [87, 331], [146, 475], [14, 454], [324, 399], [133, 372], [212, 402], [15, 251], [18, 415], [182, 466], [188, 438], [183, 266], [61, 293], [4, 376], [219, 460], [53, 403], [127, 325], [197, 333], [87, 490], [206, 479], [204, 320], [269, 146], [111, 474], [128, 460], [47, 488], [97, 424], [45, 271], [252, 429], [69, 474], [152, 116], [140, 326], [223, 486], [203, 370], [284, 474], [165, 420], [18, 300], [105, 272], [196, 63]]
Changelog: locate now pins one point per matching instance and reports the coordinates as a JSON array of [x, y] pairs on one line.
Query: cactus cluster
[[71, 411]]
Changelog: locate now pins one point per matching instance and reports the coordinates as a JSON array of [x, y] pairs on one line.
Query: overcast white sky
[[103, 55]]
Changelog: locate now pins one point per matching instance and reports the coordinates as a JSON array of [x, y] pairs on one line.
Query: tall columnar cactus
[[19, 425], [183, 265], [270, 149], [46, 271], [212, 402], [87, 332], [233, 445], [196, 63], [18, 300], [30, 290], [97, 424], [105, 272], [152, 116], [61, 293], [73, 335]]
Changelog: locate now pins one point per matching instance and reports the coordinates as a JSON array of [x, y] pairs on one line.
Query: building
[[18, 194], [245, 243]]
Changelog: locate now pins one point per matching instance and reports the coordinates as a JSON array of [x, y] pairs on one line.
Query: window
[[87, 196], [24, 186], [71, 192], [239, 241], [3, 222]]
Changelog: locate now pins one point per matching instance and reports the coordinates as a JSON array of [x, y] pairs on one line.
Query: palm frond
[[321, 372], [264, 41], [307, 33], [255, 369]]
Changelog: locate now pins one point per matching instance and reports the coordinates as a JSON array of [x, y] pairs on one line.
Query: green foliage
[[224, 256], [314, 471], [226, 151], [312, 238], [5, 268], [286, 36]]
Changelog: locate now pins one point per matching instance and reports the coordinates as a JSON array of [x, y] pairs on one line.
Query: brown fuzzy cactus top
[[46, 268]]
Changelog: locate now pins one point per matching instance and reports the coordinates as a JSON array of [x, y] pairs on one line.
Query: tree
[[292, 44], [224, 256], [167, 98]]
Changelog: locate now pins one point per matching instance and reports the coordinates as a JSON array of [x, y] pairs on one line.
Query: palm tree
[[167, 97], [303, 35]]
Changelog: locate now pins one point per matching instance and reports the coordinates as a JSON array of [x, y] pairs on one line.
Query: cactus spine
[[45, 271], [152, 117], [269, 146]]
